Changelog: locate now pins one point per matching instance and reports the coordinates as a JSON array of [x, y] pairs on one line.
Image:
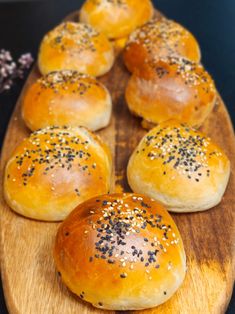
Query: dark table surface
[[23, 23]]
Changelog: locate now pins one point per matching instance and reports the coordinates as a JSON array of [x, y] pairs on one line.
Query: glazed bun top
[[125, 244], [171, 88], [157, 39], [180, 167], [116, 18], [193, 73], [54, 170], [75, 46], [66, 98]]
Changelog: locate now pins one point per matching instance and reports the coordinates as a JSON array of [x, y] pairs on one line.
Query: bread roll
[[116, 18], [66, 98], [159, 38], [120, 252], [75, 46], [180, 167], [171, 88], [54, 170]]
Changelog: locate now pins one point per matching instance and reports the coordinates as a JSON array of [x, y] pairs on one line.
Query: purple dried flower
[[9, 70], [26, 60]]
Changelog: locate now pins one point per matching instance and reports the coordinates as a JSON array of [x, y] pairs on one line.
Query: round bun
[[180, 167], [171, 88], [116, 18], [120, 252], [66, 98], [54, 170], [75, 46], [159, 38]]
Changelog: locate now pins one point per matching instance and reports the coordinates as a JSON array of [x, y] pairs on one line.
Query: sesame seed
[[179, 149], [119, 223]]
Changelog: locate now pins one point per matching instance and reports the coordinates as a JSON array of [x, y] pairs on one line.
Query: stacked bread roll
[[171, 88], [67, 97], [180, 167], [75, 46], [54, 170], [167, 80], [125, 244], [157, 39], [116, 18]]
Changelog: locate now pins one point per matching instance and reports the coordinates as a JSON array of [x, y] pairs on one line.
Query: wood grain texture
[[30, 282]]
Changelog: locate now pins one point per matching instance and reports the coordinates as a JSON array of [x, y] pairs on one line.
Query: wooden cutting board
[[30, 281]]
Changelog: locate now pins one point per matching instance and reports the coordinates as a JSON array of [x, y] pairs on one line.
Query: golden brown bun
[[75, 46], [171, 88], [120, 252], [116, 18], [180, 167], [54, 170], [66, 98], [159, 38]]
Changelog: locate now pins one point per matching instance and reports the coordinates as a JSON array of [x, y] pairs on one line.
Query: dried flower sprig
[[10, 70]]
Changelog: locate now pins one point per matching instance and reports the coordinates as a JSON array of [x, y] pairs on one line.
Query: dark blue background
[[23, 23]]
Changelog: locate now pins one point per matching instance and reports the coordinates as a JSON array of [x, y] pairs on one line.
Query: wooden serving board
[[30, 281]]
